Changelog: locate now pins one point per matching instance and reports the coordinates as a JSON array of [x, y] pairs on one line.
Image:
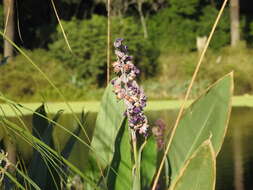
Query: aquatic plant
[[194, 145]]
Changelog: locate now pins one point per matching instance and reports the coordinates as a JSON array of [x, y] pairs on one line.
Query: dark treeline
[[153, 29]]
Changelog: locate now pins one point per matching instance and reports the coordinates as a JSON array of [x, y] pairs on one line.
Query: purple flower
[[125, 87], [137, 110], [118, 42]]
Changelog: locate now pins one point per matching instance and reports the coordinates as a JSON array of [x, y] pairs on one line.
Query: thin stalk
[[188, 93], [134, 146], [108, 40], [136, 168], [59, 21]]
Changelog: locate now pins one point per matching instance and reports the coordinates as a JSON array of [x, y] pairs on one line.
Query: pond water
[[234, 162]]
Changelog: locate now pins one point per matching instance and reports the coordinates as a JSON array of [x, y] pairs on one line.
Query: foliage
[[18, 78], [215, 64], [43, 130], [87, 39], [88, 60], [20, 81], [177, 27], [222, 32], [184, 8]]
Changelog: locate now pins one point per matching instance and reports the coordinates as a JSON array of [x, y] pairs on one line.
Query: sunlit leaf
[[207, 116], [109, 120], [199, 171]]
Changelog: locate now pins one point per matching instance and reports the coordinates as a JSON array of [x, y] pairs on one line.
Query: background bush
[[88, 42], [176, 28]]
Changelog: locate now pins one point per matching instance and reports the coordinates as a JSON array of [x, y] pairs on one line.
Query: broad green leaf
[[120, 171], [148, 163], [199, 171], [109, 120], [207, 116]]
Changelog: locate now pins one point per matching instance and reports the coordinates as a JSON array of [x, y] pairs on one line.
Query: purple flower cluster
[[126, 88]]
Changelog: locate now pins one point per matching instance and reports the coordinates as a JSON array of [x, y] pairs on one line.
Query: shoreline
[[93, 106]]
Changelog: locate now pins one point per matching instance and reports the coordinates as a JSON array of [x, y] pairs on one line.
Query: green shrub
[[172, 32], [19, 79], [222, 32], [88, 42], [175, 28]]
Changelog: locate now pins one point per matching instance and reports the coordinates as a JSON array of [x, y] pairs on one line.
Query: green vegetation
[[15, 84], [87, 62], [167, 57], [113, 150], [119, 149]]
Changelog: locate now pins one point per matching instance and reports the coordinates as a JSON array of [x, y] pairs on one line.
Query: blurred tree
[[9, 26], [234, 22]]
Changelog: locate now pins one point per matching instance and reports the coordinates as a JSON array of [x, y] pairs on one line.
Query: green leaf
[[148, 163], [207, 116], [65, 153], [120, 171], [199, 172], [110, 118], [72, 140], [38, 163], [39, 123]]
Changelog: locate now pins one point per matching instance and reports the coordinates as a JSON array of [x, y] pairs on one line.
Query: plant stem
[[134, 146], [136, 167]]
